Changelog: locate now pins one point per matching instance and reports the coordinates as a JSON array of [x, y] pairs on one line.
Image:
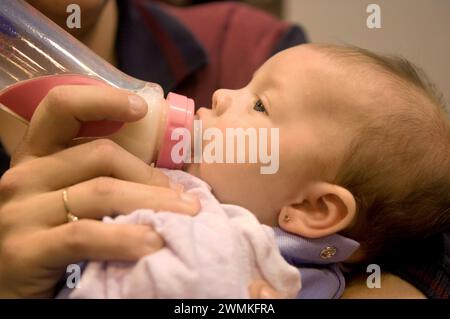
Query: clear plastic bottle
[[37, 55]]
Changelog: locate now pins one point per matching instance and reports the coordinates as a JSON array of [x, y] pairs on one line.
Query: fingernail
[[137, 104], [176, 187], [188, 198]]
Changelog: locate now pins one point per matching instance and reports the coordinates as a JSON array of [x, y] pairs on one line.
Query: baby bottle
[[37, 55]]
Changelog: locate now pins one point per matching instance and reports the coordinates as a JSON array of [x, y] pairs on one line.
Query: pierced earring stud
[[287, 218]]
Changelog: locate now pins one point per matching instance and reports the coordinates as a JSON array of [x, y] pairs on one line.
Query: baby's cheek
[[231, 182]]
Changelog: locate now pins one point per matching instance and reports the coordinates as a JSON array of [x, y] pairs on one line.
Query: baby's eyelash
[[259, 107]]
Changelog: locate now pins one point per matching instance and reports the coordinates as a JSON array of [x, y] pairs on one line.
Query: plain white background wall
[[419, 30]]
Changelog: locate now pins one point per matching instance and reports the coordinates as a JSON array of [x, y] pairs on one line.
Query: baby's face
[[300, 92]]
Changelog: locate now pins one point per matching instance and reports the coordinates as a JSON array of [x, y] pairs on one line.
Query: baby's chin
[[192, 168]]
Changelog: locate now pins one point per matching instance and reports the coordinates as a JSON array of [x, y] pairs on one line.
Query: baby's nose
[[221, 101]]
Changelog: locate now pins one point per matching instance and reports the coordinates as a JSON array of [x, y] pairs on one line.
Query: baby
[[364, 170]]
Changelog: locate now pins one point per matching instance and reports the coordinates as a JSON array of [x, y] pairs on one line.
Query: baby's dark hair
[[398, 166]]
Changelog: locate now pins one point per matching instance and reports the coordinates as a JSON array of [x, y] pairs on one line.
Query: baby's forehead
[[325, 60], [330, 85], [308, 74], [301, 57]]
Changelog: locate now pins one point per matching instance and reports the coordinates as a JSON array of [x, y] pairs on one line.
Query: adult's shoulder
[[426, 266], [392, 287], [416, 271]]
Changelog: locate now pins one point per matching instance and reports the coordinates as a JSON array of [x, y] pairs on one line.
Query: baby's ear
[[324, 209]]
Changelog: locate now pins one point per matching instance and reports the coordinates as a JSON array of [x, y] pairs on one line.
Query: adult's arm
[[392, 287], [36, 242]]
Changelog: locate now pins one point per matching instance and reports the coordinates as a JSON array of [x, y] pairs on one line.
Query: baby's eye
[[259, 107]]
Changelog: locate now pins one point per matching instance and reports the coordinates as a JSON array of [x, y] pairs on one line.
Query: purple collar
[[327, 250]]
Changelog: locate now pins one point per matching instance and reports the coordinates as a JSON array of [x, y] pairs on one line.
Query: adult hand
[[36, 242]]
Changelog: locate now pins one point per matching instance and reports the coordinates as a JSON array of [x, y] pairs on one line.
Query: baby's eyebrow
[[270, 83], [269, 103]]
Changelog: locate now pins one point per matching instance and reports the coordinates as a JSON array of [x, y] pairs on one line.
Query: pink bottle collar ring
[[179, 115]]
